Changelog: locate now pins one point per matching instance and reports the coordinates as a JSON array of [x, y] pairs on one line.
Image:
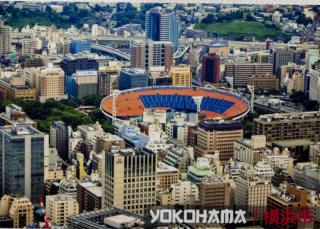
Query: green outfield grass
[[237, 29]]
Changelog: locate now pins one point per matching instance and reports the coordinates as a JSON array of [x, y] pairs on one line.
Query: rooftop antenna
[[251, 90]]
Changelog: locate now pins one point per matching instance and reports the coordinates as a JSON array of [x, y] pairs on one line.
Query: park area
[[236, 29]]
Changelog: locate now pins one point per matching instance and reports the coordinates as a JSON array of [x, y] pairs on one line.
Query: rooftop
[[70, 57], [163, 167], [60, 197], [110, 218], [219, 124], [95, 190], [133, 71], [213, 179], [285, 117], [292, 143], [86, 73], [122, 219], [20, 130]]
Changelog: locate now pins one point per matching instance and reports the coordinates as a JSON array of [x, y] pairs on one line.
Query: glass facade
[[21, 161], [162, 26]]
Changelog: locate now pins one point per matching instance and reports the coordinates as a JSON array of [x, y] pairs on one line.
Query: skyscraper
[[5, 38], [22, 150], [162, 25], [211, 68], [129, 178]]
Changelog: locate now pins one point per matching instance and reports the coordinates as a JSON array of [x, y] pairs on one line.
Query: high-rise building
[[21, 211], [247, 150], [105, 141], [52, 167], [288, 126], [264, 82], [146, 54], [129, 178], [259, 57], [158, 76], [211, 68], [312, 56], [108, 79], [166, 176], [59, 207], [314, 88], [15, 87], [82, 83], [5, 39], [295, 83], [22, 150], [307, 176], [133, 78], [181, 75], [72, 63], [182, 193], [314, 154], [51, 84], [289, 197], [59, 138], [214, 192], [89, 196], [217, 135], [29, 46], [241, 72], [283, 56], [287, 71], [162, 25], [251, 192], [80, 46]]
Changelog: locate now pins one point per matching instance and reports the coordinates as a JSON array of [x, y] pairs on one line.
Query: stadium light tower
[[197, 100], [251, 90], [115, 94]]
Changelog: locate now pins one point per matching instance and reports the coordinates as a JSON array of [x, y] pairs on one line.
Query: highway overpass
[[111, 51]]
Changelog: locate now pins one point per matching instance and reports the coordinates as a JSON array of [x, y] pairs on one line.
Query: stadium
[[215, 103]]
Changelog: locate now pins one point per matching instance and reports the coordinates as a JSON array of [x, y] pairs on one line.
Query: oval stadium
[[215, 103]]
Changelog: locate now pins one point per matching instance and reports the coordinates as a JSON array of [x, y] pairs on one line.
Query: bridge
[[111, 51]]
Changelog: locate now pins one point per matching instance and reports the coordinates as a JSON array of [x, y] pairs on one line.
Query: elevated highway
[[111, 51]]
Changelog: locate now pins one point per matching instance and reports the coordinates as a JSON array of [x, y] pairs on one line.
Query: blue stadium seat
[[183, 102]]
